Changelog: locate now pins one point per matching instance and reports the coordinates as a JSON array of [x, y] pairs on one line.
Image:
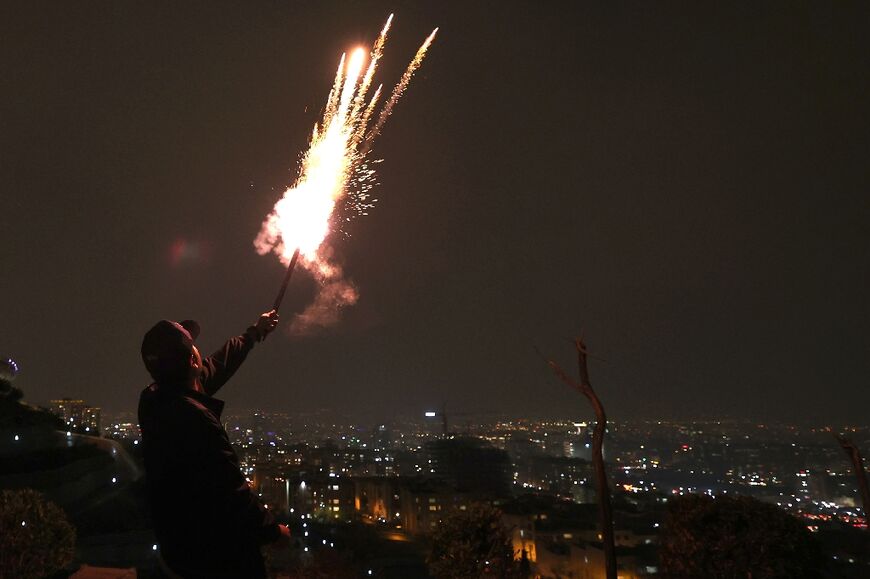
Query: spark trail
[[334, 169], [399, 89]]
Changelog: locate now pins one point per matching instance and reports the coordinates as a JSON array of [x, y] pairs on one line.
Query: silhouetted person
[[207, 520]]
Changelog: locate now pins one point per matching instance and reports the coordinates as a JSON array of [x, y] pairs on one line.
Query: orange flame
[[335, 158]]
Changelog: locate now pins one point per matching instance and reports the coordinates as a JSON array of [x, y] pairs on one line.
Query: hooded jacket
[[208, 521]]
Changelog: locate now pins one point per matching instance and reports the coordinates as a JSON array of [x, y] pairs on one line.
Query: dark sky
[[686, 183]]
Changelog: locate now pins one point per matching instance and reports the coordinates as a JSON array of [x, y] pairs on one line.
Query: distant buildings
[[321, 496], [561, 538], [415, 504], [401, 474], [77, 415], [403, 479], [470, 465]]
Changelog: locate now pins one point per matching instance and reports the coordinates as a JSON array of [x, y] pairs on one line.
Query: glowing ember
[[335, 164]]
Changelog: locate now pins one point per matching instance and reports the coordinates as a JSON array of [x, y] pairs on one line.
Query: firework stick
[[289, 273]]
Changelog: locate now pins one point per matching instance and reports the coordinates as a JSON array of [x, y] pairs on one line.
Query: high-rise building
[[91, 419], [470, 465], [77, 415], [69, 410]]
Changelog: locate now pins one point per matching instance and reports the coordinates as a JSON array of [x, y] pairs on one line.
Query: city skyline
[[802, 470]]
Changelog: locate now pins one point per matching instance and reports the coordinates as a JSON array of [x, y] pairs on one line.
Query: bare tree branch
[[584, 386], [858, 468]]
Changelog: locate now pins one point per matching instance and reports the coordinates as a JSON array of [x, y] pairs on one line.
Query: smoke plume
[[334, 293]]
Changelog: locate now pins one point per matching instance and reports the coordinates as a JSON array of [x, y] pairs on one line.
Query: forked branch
[[584, 386], [860, 474]]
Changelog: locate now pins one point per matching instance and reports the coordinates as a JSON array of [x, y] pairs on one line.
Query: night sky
[[686, 184]]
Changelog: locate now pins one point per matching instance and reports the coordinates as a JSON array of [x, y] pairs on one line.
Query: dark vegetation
[[730, 537], [472, 543], [36, 539]]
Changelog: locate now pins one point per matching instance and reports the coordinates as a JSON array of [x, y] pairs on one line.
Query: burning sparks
[[335, 168]]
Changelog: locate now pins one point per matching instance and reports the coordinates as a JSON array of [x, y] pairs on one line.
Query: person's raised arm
[[220, 366]]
